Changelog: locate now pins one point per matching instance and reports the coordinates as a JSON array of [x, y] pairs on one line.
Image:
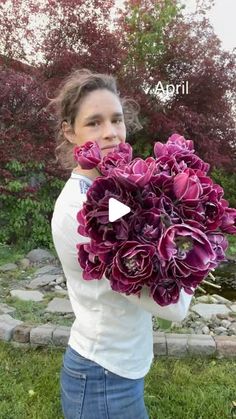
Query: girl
[[110, 349]]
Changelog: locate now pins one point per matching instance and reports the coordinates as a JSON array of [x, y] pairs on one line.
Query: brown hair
[[66, 104]]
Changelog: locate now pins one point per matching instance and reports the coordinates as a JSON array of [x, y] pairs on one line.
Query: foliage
[[78, 35], [12, 20], [228, 182], [27, 203], [26, 127], [232, 246], [188, 50], [150, 41], [143, 44], [145, 25]]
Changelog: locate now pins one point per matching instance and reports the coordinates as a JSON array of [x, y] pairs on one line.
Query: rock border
[[175, 345], [178, 345]]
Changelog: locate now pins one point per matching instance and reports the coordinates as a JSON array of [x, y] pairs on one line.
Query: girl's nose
[[109, 130]]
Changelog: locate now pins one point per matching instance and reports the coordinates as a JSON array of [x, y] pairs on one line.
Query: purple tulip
[[138, 172], [94, 217], [219, 244], [119, 157], [180, 142], [175, 144], [193, 280], [214, 211], [228, 222], [146, 226], [88, 155], [187, 249], [165, 291], [187, 185], [132, 267], [191, 211], [93, 268], [169, 166], [192, 161]]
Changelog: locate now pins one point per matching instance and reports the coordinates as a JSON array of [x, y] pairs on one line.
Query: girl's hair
[[66, 104]]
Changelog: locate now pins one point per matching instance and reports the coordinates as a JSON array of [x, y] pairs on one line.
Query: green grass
[[10, 254], [34, 312], [174, 388]]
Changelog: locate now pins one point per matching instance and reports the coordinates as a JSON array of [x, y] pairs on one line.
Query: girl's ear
[[68, 132]]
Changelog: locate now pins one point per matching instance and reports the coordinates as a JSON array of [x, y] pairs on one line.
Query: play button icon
[[116, 209]]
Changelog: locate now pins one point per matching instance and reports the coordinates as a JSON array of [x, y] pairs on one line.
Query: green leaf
[[164, 324]]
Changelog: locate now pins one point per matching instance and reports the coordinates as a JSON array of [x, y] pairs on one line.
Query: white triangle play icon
[[116, 209]]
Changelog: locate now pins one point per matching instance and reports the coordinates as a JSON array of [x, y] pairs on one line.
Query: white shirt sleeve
[[173, 312], [66, 237]]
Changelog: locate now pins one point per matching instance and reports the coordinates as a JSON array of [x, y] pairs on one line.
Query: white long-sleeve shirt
[[112, 329]]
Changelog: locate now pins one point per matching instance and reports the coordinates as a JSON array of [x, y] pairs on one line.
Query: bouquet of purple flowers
[[172, 238]]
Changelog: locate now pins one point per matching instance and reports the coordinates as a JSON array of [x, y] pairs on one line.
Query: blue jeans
[[88, 391]]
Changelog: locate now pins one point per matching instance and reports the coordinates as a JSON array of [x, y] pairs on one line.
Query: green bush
[[27, 202], [228, 182]]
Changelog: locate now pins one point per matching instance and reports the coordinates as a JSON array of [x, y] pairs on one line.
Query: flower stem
[[211, 276], [201, 289], [212, 285]]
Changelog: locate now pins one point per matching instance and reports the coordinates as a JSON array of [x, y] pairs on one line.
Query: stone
[[233, 307], [40, 255], [41, 281], [225, 346], [58, 288], [61, 336], [42, 335], [52, 283], [215, 321], [176, 344], [61, 291], [69, 316], [7, 325], [59, 305], [205, 330], [232, 328], [220, 299], [201, 345], [21, 333], [175, 324], [207, 310], [206, 299], [27, 295], [226, 323], [220, 330], [159, 344], [60, 280], [48, 269], [223, 316], [5, 309], [24, 263], [8, 267]]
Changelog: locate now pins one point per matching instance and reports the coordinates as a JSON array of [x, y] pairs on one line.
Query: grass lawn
[[174, 388]]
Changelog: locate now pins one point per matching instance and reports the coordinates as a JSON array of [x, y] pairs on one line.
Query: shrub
[[28, 195], [228, 182]]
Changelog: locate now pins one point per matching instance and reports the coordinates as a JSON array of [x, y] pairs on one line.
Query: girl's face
[[100, 118]]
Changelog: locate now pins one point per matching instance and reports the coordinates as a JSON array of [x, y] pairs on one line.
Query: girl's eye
[[115, 121], [93, 123]]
